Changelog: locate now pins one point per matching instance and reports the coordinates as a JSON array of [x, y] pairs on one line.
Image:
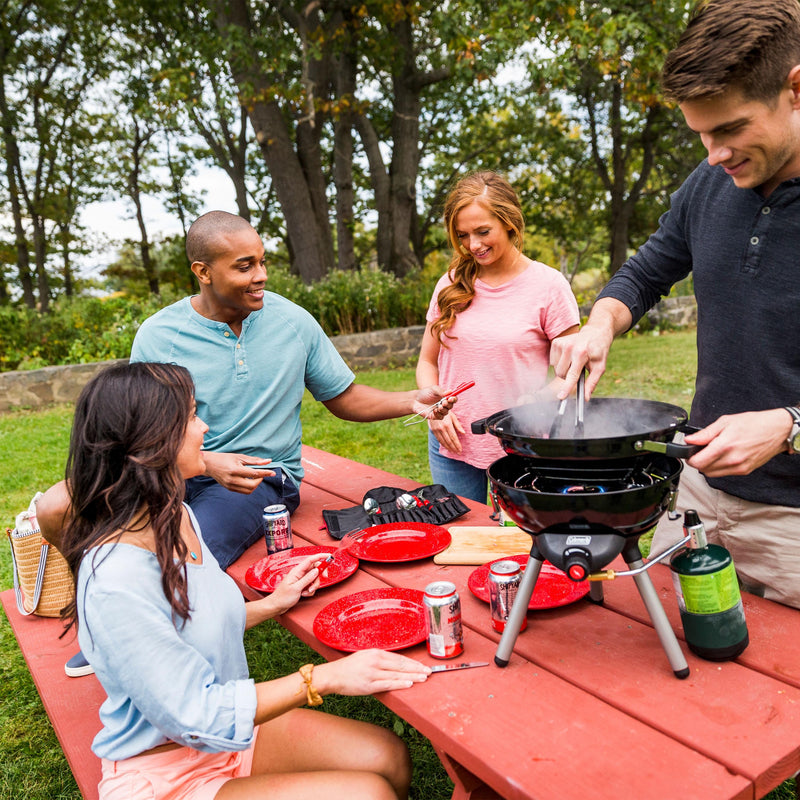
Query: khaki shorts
[[764, 540], [178, 774]]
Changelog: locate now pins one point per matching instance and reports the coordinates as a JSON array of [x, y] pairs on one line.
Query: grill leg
[[518, 610], [660, 621]]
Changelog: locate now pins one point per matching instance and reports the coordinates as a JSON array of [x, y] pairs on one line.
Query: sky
[[113, 220]]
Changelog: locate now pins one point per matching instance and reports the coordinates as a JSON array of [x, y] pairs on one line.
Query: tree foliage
[[341, 125]]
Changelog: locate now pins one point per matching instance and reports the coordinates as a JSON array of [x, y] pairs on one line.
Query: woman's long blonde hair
[[497, 196]]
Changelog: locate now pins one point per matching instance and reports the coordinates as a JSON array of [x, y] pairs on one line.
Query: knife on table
[[460, 665]]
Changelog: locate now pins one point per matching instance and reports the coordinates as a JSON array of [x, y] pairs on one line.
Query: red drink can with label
[[504, 579], [277, 529], [443, 620]]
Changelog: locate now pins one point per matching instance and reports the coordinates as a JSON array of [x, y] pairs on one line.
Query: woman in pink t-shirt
[[491, 319]]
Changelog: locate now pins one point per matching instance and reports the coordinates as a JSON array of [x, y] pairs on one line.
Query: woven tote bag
[[42, 580]]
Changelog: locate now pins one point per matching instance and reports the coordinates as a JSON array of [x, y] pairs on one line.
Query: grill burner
[[581, 515], [583, 481]]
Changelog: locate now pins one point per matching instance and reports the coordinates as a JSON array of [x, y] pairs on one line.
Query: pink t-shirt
[[503, 345]]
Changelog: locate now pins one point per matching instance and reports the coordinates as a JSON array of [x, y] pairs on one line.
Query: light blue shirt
[[249, 388], [165, 681]]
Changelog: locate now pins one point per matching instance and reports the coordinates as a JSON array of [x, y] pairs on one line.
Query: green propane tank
[[708, 595]]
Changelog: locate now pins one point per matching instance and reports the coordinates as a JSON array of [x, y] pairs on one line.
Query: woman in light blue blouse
[[162, 625]]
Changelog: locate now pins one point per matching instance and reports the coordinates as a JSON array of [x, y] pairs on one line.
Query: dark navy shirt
[[744, 252]]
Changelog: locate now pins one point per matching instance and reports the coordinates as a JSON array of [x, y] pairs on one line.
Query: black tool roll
[[433, 504]]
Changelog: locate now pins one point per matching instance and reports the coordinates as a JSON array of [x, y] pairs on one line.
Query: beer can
[[277, 528], [443, 620], [504, 579]]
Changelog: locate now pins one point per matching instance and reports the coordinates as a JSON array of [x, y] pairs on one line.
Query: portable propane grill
[[582, 510]]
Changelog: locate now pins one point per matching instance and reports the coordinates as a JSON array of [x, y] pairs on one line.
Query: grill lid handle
[[669, 448], [479, 426]]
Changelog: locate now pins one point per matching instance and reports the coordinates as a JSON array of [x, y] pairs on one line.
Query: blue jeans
[[230, 521], [457, 476]]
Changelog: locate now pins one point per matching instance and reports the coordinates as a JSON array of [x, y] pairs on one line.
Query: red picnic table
[[587, 706]]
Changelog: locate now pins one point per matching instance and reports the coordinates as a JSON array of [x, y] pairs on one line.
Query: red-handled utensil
[[423, 415]]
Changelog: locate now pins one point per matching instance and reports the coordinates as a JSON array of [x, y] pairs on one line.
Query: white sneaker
[[78, 666]]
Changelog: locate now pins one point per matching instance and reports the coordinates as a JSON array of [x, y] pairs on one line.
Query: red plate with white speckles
[[269, 571], [553, 588], [389, 619]]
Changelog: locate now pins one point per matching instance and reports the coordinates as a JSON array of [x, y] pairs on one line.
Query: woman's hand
[[447, 431], [368, 672], [300, 581]]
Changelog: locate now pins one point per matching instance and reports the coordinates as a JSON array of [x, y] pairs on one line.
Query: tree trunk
[[66, 263], [405, 155], [12, 168], [343, 163], [310, 243], [40, 252], [134, 192], [381, 186]]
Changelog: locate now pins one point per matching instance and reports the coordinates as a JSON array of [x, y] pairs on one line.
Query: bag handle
[[39, 577]]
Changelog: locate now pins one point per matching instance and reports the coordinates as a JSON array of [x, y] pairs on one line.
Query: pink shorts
[[177, 774]]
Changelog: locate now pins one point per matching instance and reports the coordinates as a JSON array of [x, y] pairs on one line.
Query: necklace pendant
[[193, 555]]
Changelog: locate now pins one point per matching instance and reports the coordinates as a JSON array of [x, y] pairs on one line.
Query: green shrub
[[75, 331], [95, 329]]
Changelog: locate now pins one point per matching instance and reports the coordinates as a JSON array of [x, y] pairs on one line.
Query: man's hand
[[432, 396], [588, 348], [235, 471], [736, 444], [569, 355]]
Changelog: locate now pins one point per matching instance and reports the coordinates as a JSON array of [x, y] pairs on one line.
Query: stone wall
[[387, 348]]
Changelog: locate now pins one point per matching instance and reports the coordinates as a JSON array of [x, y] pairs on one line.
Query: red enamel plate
[[400, 541], [267, 573], [553, 588], [389, 619]]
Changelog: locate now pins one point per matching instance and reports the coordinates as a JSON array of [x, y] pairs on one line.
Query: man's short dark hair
[[749, 45], [201, 240]]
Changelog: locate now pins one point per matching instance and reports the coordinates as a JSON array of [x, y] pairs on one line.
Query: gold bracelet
[[314, 698]]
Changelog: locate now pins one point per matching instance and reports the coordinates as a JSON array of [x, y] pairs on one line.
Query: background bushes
[[89, 329]]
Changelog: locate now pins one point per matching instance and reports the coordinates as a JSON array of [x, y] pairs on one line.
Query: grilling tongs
[[580, 401]]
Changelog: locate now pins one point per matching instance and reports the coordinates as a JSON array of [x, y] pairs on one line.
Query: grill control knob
[[577, 563]]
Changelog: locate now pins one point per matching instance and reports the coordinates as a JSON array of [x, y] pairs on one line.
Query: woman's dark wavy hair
[[122, 472]]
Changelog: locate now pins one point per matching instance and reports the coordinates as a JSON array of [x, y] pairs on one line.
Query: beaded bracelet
[[314, 698]]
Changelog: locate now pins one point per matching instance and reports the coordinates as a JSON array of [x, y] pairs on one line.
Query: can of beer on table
[[504, 579], [443, 619], [277, 528]]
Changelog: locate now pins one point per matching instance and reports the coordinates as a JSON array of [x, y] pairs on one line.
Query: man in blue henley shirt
[[251, 354], [735, 224]]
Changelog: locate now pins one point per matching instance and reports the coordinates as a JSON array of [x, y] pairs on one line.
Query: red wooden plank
[[742, 718], [766, 751], [350, 478], [72, 704], [522, 729], [774, 628]]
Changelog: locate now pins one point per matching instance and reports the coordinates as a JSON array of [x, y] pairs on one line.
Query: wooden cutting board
[[479, 544]]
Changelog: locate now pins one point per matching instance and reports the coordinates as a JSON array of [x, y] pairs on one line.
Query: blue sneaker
[[78, 666]]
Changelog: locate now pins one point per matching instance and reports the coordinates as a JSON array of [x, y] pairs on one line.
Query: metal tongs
[[580, 405], [423, 415]]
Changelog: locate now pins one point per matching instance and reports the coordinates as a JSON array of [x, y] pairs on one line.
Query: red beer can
[[504, 579], [277, 528], [443, 620]]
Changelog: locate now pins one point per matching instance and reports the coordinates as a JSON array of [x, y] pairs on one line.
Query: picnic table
[[587, 706]]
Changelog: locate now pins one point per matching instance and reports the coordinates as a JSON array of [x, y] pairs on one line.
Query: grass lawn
[[34, 447]]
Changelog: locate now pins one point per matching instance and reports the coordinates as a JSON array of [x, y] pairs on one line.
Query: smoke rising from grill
[[603, 418]]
